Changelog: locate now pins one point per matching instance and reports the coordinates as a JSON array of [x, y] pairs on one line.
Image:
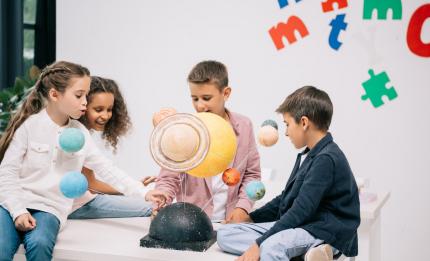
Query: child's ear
[[304, 122], [53, 94], [226, 93]]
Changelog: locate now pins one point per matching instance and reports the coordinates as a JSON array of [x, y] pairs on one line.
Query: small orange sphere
[[231, 176]]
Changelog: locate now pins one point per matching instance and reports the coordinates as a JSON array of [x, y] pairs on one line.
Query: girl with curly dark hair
[[107, 119], [106, 111]]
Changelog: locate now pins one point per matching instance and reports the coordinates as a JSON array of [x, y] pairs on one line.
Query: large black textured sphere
[[181, 226]]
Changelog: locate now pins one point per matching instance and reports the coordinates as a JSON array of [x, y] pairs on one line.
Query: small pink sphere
[[161, 115], [267, 135]]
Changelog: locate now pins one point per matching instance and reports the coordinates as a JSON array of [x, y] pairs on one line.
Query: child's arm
[[317, 181], [112, 175], [169, 182], [268, 212], [97, 186], [252, 172], [10, 189]]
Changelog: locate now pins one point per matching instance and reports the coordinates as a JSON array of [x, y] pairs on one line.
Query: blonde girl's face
[[73, 101], [99, 110], [208, 98]]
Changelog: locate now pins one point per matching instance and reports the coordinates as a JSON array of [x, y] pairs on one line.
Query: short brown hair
[[310, 102], [209, 72]]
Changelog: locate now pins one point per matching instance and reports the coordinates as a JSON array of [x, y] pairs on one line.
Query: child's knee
[[272, 249], [222, 236], [40, 244], [225, 235]]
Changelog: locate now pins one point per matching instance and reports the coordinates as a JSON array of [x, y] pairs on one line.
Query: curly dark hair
[[120, 122]]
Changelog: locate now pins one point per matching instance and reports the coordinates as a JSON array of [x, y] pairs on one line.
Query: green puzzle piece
[[375, 89], [382, 7]]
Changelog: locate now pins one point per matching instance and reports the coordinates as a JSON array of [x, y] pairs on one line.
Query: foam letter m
[[288, 30]]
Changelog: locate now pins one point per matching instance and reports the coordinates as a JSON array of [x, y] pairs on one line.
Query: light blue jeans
[[284, 245], [38, 243], [113, 206]]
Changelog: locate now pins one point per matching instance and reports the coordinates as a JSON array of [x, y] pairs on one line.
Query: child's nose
[[201, 107], [104, 116]]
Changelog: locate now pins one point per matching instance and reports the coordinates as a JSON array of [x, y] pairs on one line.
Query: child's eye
[[195, 99], [207, 98], [78, 96]]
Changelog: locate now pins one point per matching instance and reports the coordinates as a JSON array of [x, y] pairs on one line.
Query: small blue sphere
[[71, 140], [255, 190], [73, 184], [271, 123]]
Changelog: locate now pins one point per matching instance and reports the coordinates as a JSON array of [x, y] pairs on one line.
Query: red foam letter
[[415, 43], [287, 30], [327, 6]]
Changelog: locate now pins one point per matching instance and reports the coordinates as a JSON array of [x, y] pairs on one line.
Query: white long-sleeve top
[[107, 151], [34, 164]]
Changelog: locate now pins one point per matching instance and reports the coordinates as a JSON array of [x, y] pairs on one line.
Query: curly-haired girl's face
[[99, 110]]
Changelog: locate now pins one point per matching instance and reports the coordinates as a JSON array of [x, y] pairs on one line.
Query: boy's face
[[208, 98], [296, 131], [99, 110]]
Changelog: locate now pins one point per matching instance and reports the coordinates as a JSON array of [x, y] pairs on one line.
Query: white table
[[118, 239], [369, 232]]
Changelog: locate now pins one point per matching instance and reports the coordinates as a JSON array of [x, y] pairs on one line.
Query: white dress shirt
[[33, 166]]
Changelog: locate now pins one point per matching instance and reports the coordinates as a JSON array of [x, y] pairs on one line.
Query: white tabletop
[[371, 210], [119, 239]]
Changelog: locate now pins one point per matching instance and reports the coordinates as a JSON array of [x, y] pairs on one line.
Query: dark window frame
[[12, 27]]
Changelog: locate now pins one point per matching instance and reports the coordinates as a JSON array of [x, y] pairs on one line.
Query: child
[[208, 83], [32, 208], [320, 201], [107, 119]]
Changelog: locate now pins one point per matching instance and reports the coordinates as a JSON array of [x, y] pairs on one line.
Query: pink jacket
[[199, 190]]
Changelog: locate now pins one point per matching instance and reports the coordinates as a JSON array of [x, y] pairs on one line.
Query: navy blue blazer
[[321, 196]]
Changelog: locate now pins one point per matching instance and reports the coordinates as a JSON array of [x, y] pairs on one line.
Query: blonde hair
[[57, 76]]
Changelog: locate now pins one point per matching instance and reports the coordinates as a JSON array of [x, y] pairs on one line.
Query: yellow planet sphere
[[222, 146]]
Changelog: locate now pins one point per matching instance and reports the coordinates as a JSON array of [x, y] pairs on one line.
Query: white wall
[[150, 46]]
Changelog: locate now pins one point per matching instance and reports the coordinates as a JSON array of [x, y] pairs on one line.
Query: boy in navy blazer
[[318, 212]]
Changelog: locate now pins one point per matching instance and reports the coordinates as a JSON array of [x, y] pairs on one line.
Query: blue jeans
[[113, 206], [38, 243], [284, 245]]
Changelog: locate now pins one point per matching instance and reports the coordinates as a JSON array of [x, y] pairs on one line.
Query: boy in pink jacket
[[208, 83]]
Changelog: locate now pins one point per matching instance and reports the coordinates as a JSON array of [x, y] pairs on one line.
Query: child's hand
[[25, 222], [157, 197], [252, 254], [148, 180], [154, 214], [237, 216]]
